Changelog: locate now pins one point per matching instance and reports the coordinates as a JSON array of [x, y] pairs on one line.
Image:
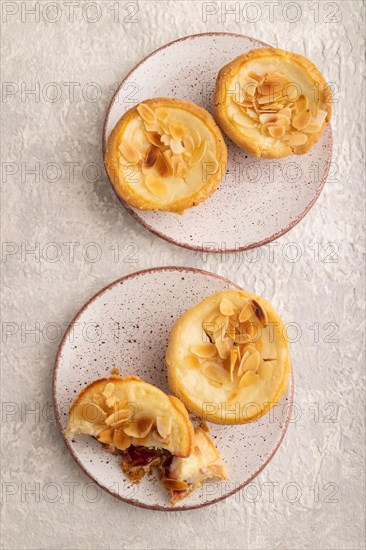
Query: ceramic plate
[[259, 199], [126, 325]]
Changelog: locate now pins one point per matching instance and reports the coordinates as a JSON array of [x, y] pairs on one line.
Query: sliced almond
[[91, 412], [244, 120], [252, 361], [168, 160], [259, 312], [253, 114], [286, 112], [118, 417], [227, 307], [223, 348], [164, 425], [154, 127], [120, 440], [151, 156], [265, 371], [290, 92], [271, 98], [273, 118], [176, 147], [255, 76], [129, 151], [162, 440], [174, 484], [156, 186], [245, 313], [249, 378], [198, 153], [297, 139], [108, 389], [301, 120], [233, 361], [177, 131], [205, 350], [220, 326], [250, 88], [138, 429], [302, 103], [316, 122], [161, 114], [111, 401], [272, 108], [216, 373], [191, 362], [163, 166], [277, 131], [154, 138], [106, 436], [146, 113], [165, 139], [242, 362]]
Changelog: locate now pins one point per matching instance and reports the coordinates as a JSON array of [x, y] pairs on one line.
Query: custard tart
[[272, 103], [228, 357], [165, 154], [148, 429]]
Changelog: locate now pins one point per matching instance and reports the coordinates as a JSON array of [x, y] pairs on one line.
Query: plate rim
[[187, 246], [132, 501]]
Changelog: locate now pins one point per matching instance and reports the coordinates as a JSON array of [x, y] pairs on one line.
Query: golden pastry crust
[[128, 411], [228, 357], [162, 173], [238, 89], [185, 475]]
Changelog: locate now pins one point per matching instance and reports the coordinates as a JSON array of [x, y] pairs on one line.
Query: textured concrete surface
[[312, 493]]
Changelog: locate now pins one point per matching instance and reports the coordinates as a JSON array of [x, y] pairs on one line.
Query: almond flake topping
[[236, 333], [227, 307], [164, 425], [138, 429], [204, 350], [118, 417], [129, 151], [174, 484], [191, 362], [146, 113], [215, 372], [248, 379], [275, 104], [91, 412]]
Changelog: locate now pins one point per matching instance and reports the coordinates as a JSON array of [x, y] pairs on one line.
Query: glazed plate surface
[[126, 326], [258, 199]]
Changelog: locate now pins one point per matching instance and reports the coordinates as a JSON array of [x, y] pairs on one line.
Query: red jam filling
[[140, 456]]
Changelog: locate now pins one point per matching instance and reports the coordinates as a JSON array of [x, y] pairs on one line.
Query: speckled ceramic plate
[[259, 199], [126, 325]]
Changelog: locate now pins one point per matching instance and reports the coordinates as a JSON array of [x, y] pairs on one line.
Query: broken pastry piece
[[165, 154], [272, 103], [184, 475], [228, 357], [147, 427]]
